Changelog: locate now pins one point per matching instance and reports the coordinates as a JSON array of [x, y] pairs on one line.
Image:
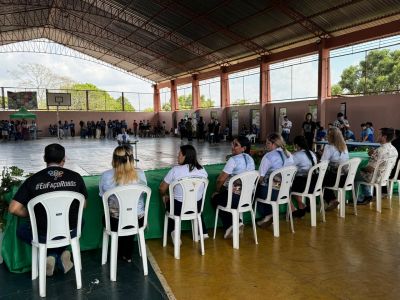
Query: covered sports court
[[175, 43]]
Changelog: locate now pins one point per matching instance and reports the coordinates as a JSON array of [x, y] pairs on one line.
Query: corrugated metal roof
[[161, 40]]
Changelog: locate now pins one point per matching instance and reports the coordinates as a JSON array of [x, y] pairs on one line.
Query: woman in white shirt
[[304, 159], [276, 157], [122, 173], [239, 162], [188, 166], [336, 153]]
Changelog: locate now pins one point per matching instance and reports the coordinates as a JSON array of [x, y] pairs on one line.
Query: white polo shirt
[[181, 171]]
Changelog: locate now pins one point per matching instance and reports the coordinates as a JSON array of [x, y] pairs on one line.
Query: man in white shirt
[[385, 151], [286, 127], [123, 137]]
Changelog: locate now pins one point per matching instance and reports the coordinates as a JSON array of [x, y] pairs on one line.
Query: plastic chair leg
[[275, 218], [235, 226], [177, 238], [195, 231], [379, 199], [313, 211], [253, 220], [76, 256], [104, 250], [342, 203], [290, 216], [142, 243], [354, 200], [42, 270], [165, 238], [79, 256], [215, 223], [34, 262], [200, 227], [113, 258]]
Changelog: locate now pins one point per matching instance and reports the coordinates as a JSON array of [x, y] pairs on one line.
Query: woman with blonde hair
[[276, 157], [336, 153], [123, 172]]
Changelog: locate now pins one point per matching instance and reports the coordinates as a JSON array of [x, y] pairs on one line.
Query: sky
[[290, 79]]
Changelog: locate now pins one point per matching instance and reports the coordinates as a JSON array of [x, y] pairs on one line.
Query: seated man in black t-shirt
[[53, 178]]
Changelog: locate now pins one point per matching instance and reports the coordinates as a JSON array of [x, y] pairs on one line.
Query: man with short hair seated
[[53, 178], [385, 151]]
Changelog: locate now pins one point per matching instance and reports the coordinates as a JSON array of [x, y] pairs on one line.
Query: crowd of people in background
[[18, 130]]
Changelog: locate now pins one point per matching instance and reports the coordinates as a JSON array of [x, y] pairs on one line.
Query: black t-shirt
[[309, 127], [48, 180]]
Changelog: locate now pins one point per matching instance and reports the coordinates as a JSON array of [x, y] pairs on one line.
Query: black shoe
[[307, 209], [365, 201]]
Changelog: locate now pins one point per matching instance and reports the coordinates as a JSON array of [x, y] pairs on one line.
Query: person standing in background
[[286, 127]]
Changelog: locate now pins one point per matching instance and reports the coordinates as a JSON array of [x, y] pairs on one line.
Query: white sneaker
[[205, 236], [173, 240], [50, 264], [264, 222], [66, 261], [228, 233]]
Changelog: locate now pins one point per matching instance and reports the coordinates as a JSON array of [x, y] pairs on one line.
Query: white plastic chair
[[321, 169], [380, 178], [249, 181], [351, 165], [128, 198], [391, 183], [190, 188], [57, 206], [287, 174]]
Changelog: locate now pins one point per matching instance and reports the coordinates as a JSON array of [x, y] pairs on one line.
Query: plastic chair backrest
[[396, 173], [57, 205], [128, 198], [287, 176], [382, 170], [190, 190], [352, 166], [249, 180], [321, 169]]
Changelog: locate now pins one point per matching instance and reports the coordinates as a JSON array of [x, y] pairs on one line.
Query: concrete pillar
[[225, 96], [174, 96], [265, 97], [196, 102], [156, 99], [324, 84], [123, 101]]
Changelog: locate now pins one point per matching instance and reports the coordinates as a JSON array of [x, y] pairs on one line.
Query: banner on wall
[[214, 114], [313, 109], [22, 99], [235, 123]]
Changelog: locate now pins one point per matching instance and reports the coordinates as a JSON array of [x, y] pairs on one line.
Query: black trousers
[[177, 212], [125, 243], [222, 199]]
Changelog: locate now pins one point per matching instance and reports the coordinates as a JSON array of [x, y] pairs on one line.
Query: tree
[[39, 77], [166, 106], [206, 103], [378, 73], [149, 109], [98, 99], [185, 102]]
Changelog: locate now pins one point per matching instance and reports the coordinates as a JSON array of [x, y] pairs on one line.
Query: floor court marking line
[[160, 276]]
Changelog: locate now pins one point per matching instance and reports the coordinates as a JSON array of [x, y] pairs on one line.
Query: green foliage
[[378, 73], [8, 180], [98, 99], [241, 102], [149, 109], [166, 107], [206, 103], [185, 102]]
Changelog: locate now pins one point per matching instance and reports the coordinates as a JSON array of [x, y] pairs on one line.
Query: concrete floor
[[92, 157]]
